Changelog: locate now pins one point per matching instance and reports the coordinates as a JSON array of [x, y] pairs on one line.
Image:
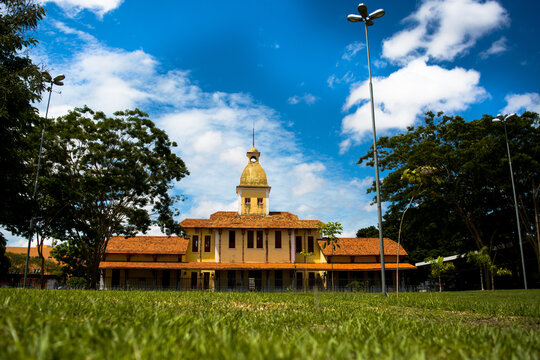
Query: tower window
[[259, 202], [310, 244], [207, 243], [278, 239], [259, 239], [195, 243], [298, 244], [247, 201], [232, 239], [250, 239], [253, 159]]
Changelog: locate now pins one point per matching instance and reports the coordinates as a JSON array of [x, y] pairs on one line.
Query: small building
[[17, 256], [252, 248]]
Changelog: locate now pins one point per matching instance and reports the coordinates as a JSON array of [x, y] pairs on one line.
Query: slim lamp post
[[504, 119], [56, 81], [368, 21]]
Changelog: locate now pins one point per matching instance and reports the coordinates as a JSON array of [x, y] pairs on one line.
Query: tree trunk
[[440, 285], [481, 279], [492, 281]]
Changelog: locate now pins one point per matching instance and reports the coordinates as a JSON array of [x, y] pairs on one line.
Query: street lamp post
[[504, 119], [58, 82], [368, 21]]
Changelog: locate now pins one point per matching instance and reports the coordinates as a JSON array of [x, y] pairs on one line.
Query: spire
[[253, 133]]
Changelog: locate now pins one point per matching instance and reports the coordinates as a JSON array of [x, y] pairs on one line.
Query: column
[[293, 247], [217, 237]]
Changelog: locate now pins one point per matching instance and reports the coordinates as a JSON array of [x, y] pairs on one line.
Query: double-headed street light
[[504, 119], [58, 82], [368, 21]]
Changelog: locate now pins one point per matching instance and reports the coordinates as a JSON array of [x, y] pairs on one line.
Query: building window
[[207, 243], [278, 239], [310, 245], [247, 201], [250, 240], [195, 243], [259, 239], [259, 202], [298, 244], [232, 239]]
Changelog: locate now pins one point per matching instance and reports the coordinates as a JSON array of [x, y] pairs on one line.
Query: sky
[[207, 72]]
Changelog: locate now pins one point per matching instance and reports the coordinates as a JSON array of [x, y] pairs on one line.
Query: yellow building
[[252, 248]]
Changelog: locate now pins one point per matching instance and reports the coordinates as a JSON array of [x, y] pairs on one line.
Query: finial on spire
[[253, 133]]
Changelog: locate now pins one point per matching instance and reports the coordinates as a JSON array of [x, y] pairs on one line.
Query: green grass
[[165, 325]]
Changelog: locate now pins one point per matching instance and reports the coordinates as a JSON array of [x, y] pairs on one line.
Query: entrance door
[[166, 279], [194, 281], [206, 281], [115, 281]]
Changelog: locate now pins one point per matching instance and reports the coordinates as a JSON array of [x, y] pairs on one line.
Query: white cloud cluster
[[213, 130], [307, 98], [516, 103], [99, 7], [408, 92], [443, 29]]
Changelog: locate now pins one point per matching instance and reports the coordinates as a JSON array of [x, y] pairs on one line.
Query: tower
[[253, 191]]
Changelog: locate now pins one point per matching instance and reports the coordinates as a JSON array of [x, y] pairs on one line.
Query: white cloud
[[444, 29], [498, 47], [352, 49], [522, 102], [307, 98], [308, 178], [99, 7], [407, 93], [333, 79]]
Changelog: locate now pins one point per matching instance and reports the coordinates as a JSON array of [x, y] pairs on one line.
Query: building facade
[[252, 248]]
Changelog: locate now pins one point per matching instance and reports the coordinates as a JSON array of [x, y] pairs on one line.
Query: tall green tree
[[115, 174], [368, 232], [20, 86], [471, 206]]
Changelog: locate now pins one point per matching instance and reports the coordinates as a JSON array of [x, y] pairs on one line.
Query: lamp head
[[377, 14], [46, 76], [362, 10], [355, 18]]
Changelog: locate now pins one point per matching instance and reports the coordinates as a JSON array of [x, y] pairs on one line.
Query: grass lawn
[[77, 324]]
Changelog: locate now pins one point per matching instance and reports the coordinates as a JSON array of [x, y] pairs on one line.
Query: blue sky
[[206, 71]]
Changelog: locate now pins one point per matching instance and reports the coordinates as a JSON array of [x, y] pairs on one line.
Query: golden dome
[[253, 175]]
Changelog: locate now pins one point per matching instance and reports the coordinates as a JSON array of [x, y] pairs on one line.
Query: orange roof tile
[[244, 266], [362, 246], [33, 251], [231, 219], [156, 245]]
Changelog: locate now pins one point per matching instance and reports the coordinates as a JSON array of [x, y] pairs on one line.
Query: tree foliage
[[20, 86], [439, 267], [112, 176], [470, 205], [330, 232], [368, 232]]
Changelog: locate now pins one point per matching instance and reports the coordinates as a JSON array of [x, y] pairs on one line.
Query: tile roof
[[33, 251], [156, 245], [231, 220], [245, 266], [362, 246]]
